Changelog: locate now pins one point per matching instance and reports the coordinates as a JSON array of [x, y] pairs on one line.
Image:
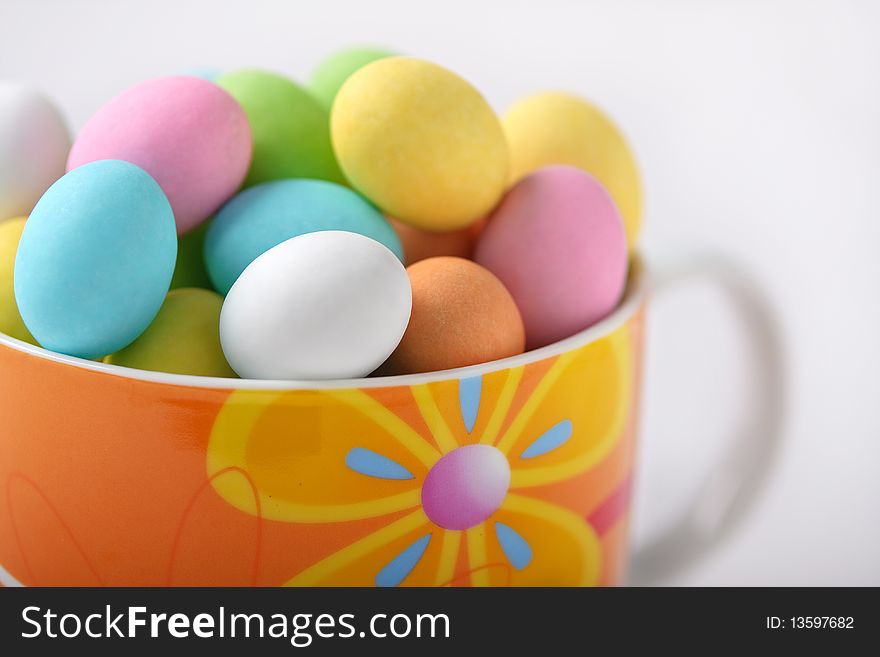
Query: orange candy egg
[[461, 315], [420, 244]]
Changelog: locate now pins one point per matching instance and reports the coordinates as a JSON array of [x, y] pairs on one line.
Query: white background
[[757, 125]]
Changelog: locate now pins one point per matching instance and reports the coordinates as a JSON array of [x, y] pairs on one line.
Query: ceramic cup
[[515, 472]]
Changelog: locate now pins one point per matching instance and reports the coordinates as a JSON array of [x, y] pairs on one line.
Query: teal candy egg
[[262, 217], [95, 259]]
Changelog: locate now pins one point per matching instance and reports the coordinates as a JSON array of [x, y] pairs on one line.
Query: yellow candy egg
[[559, 128], [183, 339], [420, 142], [10, 320]]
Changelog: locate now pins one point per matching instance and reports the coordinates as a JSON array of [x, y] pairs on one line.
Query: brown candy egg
[[461, 315]]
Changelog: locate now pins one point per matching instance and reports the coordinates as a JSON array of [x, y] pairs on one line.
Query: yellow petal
[[586, 395], [293, 445], [502, 406], [361, 563], [440, 405], [564, 549], [448, 558], [431, 414]]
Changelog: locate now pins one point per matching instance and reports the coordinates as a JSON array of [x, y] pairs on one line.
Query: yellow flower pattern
[[454, 469]]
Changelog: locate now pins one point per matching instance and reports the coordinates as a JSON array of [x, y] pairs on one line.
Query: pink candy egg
[[187, 133], [557, 242]]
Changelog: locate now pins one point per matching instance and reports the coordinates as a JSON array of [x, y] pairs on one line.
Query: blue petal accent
[[549, 440], [367, 462], [516, 549], [469, 391], [400, 566]]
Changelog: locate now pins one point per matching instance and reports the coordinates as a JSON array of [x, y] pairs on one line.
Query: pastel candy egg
[[187, 133], [324, 305], [34, 143], [184, 338], [210, 74], [557, 243], [419, 142], [266, 215], [189, 270], [331, 73], [95, 259], [461, 315], [560, 128], [10, 319], [290, 128], [420, 244]]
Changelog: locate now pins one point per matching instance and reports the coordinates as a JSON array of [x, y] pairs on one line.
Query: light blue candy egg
[[95, 259], [209, 74], [261, 217]]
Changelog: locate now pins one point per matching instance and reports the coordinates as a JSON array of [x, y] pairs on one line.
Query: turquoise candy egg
[[261, 217], [95, 259]]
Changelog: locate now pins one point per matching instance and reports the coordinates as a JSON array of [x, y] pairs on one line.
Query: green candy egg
[[290, 128], [10, 320], [336, 69], [183, 339], [190, 268]]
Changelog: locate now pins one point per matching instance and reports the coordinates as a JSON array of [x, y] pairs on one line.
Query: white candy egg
[[324, 305], [34, 143]]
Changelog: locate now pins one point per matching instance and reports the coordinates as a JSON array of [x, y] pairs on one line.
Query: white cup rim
[[633, 296]]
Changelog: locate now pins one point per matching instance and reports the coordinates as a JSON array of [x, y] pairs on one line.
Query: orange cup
[[514, 472]]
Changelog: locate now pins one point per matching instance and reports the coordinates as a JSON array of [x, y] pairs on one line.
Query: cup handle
[[730, 492]]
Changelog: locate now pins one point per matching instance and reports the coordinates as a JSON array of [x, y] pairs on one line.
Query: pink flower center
[[466, 486]]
